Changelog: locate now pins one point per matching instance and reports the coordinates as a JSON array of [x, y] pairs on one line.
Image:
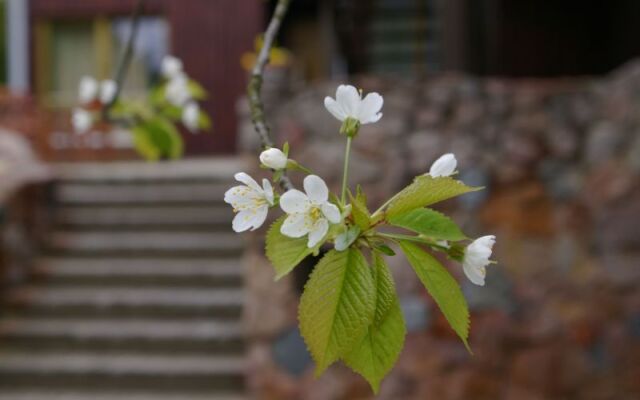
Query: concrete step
[[125, 217], [174, 272], [138, 193], [112, 394], [125, 302], [219, 168], [85, 370], [172, 243], [113, 334]]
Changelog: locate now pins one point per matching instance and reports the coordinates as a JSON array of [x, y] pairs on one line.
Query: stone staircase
[[138, 294]]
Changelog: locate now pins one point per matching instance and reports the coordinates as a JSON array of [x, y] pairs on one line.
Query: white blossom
[[309, 213], [443, 166], [87, 90], [81, 120], [191, 116], [350, 104], [476, 258], [108, 89], [171, 67], [274, 158], [177, 91], [250, 201]]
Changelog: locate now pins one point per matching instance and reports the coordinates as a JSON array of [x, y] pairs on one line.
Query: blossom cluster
[[178, 92], [349, 309], [151, 122], [91, 95], [311, 213]]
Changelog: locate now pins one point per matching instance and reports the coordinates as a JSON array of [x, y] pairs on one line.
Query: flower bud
[[443, 166], [273, 158]]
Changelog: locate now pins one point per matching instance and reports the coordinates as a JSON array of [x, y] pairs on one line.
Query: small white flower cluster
[[90, 94], [178, 93], [311, 213]]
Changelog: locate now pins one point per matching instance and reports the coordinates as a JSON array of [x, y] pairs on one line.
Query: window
[[67, 50]]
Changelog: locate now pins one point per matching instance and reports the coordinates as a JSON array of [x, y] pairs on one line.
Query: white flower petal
[[294, 201], [475, 275], [334, 108], [317, 232], [316, 189], [243, 221], [295, 225], [443, 166], [331, 212], [240, 195], [369, 110], [247, 180], [349, 99], [258, 217], [268, 191]]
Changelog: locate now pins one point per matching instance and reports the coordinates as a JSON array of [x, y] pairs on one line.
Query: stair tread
[[30, 394], [106, 215], [114, 296], [219, 167], [105, 267], [141, 193], [119, 329], [143, 240], [124, 363]]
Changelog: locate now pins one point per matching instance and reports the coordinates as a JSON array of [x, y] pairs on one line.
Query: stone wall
[[560, 315]]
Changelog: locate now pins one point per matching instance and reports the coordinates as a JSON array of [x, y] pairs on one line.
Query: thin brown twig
[[255, 83], [124, 63]]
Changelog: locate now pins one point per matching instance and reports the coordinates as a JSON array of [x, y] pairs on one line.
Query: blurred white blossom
[[171, 67], [87, 90], [108, 89], [191, 116], [81, 120]]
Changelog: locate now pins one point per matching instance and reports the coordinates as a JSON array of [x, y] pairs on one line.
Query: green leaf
[[384, 249], [378, 351], [204, 122], [144, 145], [425, 191], [442, 287], [429, 223], [337, 306], [359, 212], [158, 138], [285, 253], [197, 91]]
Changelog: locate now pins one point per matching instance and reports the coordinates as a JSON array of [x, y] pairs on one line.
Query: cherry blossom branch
[[255, 83], [124, 63]]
